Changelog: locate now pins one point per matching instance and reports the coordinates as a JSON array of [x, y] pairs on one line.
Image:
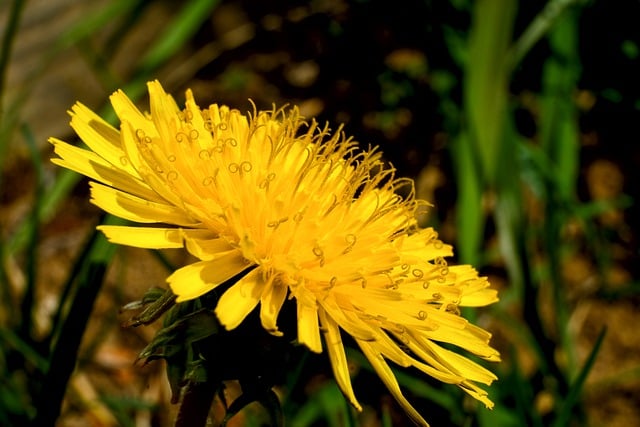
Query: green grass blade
[[50, 201], [72, 326], [7, 120], [565, 412], [28, 299], [327, 404], [10, 340], [470, 219], [509, 215], [559, 117], [560, 141], [64, 355], [178, 32], [486, 80], [537, 29], [11, 28], [87, 26]]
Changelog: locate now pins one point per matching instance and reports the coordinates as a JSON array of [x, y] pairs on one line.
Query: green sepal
[[154, 303], [197, 371], [180, 334]]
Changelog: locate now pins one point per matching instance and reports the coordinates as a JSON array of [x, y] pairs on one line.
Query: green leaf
[[181, 29], [155, 302], [470, 219], [564, 414], [28, 298], [559, 130], [327, 404], [99, 18], [181, 333], [486, 81], [538, 27]]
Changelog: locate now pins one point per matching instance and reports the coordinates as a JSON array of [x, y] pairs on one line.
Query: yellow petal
[[477, 393], [99, 126], [129, 113], [441, 375], [148, 172], [476, 293], [136, 209], [338, 358], [197, 279], [101, 137], [207, 248], [447, 366], [90, 164], [423, 246], [388, 378], [143, 237], [164, 113], [270, 305], [308, 328], [471, 338], [461, 365], [348, 321], [240, 299], [390, 350]]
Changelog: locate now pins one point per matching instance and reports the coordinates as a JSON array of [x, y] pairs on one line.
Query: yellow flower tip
[[299, 213], [493, 357]]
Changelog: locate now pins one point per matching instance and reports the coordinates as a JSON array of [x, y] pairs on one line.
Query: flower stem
[[195, 405]]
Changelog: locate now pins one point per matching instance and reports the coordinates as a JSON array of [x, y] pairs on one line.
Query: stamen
[[318, 252], [181, 137], [264, 185], [351, 241], [140, 135], [452, 308]]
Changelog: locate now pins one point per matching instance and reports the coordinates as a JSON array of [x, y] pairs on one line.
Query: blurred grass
[[497, 171], [54, 356]]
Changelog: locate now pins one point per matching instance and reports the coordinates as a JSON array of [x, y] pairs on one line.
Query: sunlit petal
[[389, 379], [338, 358], [240, 299], [270, 305], [143, 237], [136, 209], [197, 279]]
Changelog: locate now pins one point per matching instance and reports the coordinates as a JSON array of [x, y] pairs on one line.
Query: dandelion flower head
[[299, 213]]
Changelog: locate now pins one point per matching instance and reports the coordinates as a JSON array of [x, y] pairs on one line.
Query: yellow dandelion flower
[[303, 215]]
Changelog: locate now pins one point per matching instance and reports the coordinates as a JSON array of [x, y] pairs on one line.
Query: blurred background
[[518, 121]]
